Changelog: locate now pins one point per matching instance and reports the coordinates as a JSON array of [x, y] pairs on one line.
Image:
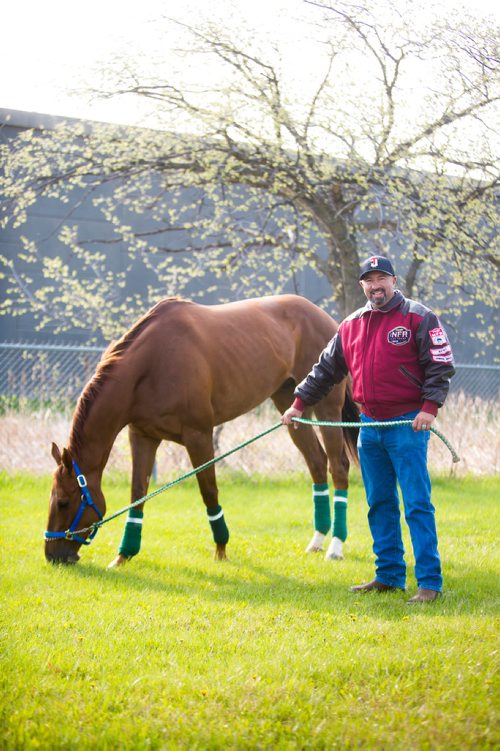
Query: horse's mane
[[111, 357]]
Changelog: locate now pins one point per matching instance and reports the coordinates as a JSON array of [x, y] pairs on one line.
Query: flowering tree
[[254, 173]]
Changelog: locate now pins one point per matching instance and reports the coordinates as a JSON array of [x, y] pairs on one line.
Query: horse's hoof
[[120, 560], [220, 553], [316, 544], [335, 550]]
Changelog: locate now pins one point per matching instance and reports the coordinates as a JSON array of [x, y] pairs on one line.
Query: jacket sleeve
[[329, 370], [436, 359]]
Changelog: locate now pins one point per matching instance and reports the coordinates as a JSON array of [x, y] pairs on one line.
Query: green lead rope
[[387, 424], [321, 423], [178, 480]]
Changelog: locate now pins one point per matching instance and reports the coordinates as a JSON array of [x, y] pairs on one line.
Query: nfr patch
[[438, 336], [399, 336]]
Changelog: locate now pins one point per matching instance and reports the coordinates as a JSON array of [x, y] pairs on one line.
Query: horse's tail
[[350, 413]]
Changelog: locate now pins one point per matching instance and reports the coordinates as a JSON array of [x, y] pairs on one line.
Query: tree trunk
[[411, 278], [341, 268]]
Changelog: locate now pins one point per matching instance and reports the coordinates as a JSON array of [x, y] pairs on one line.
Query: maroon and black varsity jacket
[[399, 358]]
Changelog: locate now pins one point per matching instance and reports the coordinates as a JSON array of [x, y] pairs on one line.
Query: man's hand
[[422, 421], [286, 417]]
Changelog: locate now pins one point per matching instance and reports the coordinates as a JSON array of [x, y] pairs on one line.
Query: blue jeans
[[399, 455]]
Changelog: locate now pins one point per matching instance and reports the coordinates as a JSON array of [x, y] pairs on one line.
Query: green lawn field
[[267, 650]]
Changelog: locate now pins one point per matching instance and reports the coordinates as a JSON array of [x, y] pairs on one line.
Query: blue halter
[[86, 500]]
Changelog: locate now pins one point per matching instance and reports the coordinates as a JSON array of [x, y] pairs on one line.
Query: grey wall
[[44, 220]]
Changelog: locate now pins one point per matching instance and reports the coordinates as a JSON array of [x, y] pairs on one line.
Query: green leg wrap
[[131, 540], [321, 503], [340, 515], [218, 524]]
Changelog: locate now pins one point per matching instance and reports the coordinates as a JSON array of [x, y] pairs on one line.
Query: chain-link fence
[[55, 374], [45, 373]]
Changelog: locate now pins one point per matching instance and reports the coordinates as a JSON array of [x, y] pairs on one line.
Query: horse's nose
[[70, 558], [60, 554]]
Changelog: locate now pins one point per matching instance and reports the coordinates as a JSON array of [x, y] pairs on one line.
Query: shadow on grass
[[250, 584]]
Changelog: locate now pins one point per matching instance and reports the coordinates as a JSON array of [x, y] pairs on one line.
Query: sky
[[51, 51]]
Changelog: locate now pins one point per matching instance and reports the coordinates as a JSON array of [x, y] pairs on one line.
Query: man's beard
[[381, 296]]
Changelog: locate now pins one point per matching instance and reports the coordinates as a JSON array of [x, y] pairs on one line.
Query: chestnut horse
[[181, 370]]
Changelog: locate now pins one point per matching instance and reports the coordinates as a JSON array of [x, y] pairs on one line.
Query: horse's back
[[250, 335], [219, 361], [286, 313]]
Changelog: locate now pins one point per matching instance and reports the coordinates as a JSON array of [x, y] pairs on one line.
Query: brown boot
[[373, 586], [424, 595]]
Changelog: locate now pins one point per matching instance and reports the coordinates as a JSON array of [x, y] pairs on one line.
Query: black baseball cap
[[376, 263]]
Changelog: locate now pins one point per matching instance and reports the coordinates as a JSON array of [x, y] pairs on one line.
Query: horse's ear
[[56, 454], [66, 460]]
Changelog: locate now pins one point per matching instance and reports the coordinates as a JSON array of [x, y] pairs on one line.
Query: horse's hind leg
[[199, 445], [143, 451], [330, 409], [308, 444]]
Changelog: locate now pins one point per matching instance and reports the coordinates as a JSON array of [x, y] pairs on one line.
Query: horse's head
[[75, 503]]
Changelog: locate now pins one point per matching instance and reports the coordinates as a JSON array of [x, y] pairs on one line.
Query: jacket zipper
[[370, 365]]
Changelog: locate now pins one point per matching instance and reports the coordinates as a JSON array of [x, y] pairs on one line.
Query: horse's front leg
[[199, 445], [143, 451]]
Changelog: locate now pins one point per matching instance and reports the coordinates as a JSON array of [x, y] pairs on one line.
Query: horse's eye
[[63, 503]]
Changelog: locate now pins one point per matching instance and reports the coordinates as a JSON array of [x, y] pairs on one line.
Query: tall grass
[[472, 426], [268, 650]]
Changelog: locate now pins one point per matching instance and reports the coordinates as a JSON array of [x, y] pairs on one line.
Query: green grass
[[268, 650]]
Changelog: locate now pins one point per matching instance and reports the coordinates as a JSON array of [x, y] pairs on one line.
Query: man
[[401, 362]]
